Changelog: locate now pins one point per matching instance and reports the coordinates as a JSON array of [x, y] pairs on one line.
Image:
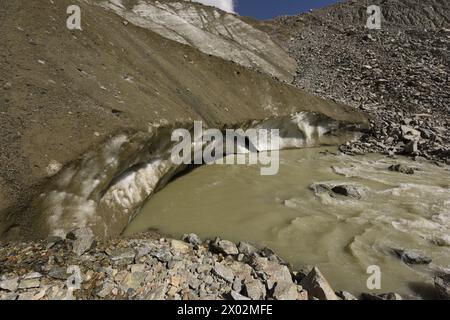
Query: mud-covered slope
[[93, 99]]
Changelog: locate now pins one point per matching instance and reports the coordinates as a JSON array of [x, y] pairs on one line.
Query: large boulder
[[442, 284], [317, 286], [83, 240]]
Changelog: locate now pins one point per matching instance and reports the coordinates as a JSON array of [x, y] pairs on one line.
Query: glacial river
[[341, 235]]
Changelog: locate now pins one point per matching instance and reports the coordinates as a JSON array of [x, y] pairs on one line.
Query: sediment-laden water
[[342, 235]]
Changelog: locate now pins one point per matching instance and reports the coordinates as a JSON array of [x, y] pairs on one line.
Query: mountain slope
[[399, 74], [81, 110]]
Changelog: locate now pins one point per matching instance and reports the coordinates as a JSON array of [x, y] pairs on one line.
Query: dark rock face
[[401, 168], [442, 284], [398, 75], [334, 190], [411, 257]]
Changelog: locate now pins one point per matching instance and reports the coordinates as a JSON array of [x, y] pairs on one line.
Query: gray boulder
[[317, 286], [442, 284], [225, 247], [411, 257], [83, 240]]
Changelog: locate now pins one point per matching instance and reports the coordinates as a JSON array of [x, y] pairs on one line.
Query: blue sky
[[265, 9]]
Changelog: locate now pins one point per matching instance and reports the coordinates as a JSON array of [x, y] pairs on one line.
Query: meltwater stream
[[342, 236]]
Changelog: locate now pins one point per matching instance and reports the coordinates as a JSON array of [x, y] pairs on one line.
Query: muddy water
[[343, 236]]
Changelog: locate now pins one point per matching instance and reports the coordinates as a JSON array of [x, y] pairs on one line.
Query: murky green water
[[343, 236]]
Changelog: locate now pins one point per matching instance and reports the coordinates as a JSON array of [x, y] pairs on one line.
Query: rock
[[285, 291], [225, 247], [180, 246], [411, 148], [58, 273], [254, 289], [352, 191], [133, 281], [410, 257], [126, 254], [29, 283], [53, 168], [237, 285], [10, 284], [138, 268], [106, 289], [348, 191], [223, 272], [272, 271], [238, 297], [303, 295], [83, 240], [346, 296], [193, 239], [317, 286], [157, 293], [410, 134], [52, 241], [247, 249], [271, 255], [401, 168], [442, 285], [7, 86], [386, 296]]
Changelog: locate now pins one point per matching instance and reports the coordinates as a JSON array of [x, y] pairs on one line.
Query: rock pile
[[398, 75], [149, 267]]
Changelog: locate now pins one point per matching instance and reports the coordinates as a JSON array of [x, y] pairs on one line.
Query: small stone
[[303, 295], [285, 291], [138, 268], [238, 297], [225, 247], [379, 297], [10, 284], [317, 286], [125, 22], [223, 272], [346, 296], [410, 257], [193, 239], [401, 169], [237, 285], [53, 168], [442, 284], [29, 283], [348, 191], [254, 289], [123, 254], [247, 249], [180, 246], [83, 240], [7, 86], [59, 273], [133, 281], [106, 290], [157, 293]]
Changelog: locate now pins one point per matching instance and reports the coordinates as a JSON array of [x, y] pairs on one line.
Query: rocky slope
[[88, 112], [151, 267], [399, 75]]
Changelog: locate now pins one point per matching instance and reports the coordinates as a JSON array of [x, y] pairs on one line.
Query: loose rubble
[[398, 76], [151, 267]]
